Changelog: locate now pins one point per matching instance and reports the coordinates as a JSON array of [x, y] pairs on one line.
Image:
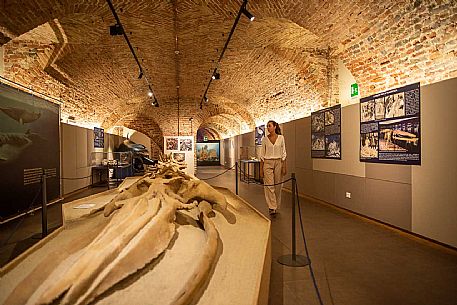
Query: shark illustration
[[12, 144], [21, 115]]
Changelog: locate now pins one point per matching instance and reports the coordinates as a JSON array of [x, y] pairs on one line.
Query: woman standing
[[273, 165]]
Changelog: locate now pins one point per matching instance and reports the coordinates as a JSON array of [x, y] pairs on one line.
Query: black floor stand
[[293, 260]]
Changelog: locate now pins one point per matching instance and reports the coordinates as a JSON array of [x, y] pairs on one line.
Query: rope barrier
[[75, 178], [22, 219], [306, 246], [219, 174]]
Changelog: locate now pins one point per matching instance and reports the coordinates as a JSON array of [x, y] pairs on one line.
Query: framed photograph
[[185, 144], [172, 144], [180, 157], [326, 133]]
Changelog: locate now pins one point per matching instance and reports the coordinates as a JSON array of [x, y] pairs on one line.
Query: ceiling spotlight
[[247, 14], [206, 99], [116, 29], [191, 119], [141, 74], [216, 75], [150, 94], [155, 102]]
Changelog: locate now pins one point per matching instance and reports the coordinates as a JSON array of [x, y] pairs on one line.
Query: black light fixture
[[206, 99], [216, 75], [116, 30], [247, 14]]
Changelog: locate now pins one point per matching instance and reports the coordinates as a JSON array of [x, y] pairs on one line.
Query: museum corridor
[[356, 261]]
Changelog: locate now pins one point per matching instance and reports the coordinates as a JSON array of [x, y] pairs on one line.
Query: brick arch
[[148, 127], [279, 67], [209, 132]]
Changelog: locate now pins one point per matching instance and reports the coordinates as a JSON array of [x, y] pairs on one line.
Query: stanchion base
[[299, 261]]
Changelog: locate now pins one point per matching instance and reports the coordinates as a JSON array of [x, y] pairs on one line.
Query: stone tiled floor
[[355, 261]]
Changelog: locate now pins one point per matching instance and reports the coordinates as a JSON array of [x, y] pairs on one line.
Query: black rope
[[22, 219], [75, 178], [306, 246], [220, 173], [258, 183]]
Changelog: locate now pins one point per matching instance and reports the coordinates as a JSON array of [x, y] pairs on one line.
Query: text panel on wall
[[390, 126], [326, 133]]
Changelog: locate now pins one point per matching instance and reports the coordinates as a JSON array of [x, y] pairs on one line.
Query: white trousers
[[272, 175]]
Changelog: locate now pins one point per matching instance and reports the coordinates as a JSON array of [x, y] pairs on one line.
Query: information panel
[[29, 147], [390, 126], [326, 133], [259, 134], [99, 137]]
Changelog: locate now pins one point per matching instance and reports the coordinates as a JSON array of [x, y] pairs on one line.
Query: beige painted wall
[[350, 137], [1, 60], [421, 199], [345, 80], [77, 147], [141, 138], [434, 183]]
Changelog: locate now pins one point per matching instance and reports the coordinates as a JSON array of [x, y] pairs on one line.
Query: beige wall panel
[[303, 144], [68, 136], [435, 181], [389, 202], [345, 80], [353, 185], [1, 60], [305, 181], [288, 130], [81, 147], [324, 186], [350, 137], [389, 172]]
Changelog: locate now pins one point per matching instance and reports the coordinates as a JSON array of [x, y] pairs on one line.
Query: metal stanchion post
[[236, 177], [44, 209], [293, 260]]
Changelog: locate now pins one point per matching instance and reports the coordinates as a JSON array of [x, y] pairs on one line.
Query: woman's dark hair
[[276, 125]]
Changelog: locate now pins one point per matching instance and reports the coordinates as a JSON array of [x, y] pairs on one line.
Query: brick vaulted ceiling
[[281, 66]]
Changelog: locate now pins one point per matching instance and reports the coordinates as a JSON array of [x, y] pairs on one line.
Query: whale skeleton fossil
[[140, 228]]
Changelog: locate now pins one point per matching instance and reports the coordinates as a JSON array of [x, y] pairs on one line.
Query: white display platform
[[240, 275]]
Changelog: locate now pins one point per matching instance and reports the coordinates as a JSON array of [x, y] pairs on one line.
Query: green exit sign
[[354, 90]]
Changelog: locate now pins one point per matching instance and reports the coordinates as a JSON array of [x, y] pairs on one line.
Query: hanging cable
[[121, 29], [215, 75]]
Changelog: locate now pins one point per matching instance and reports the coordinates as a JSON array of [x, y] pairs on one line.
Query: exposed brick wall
[[409, 41], [281, 66]]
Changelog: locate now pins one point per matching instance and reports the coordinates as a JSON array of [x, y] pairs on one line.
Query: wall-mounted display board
[[29, 144], [99, 137], [326, 133], [259, 134], [390, 126], [181, 149], [208, 153]]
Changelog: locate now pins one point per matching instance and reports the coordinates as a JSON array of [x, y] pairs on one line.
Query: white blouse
[[276, 151]]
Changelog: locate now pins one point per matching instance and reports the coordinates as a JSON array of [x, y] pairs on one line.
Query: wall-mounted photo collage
[[390, 126], [326, 133]]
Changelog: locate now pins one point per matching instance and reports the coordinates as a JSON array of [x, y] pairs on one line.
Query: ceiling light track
[[216, 75], [120, 29]]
